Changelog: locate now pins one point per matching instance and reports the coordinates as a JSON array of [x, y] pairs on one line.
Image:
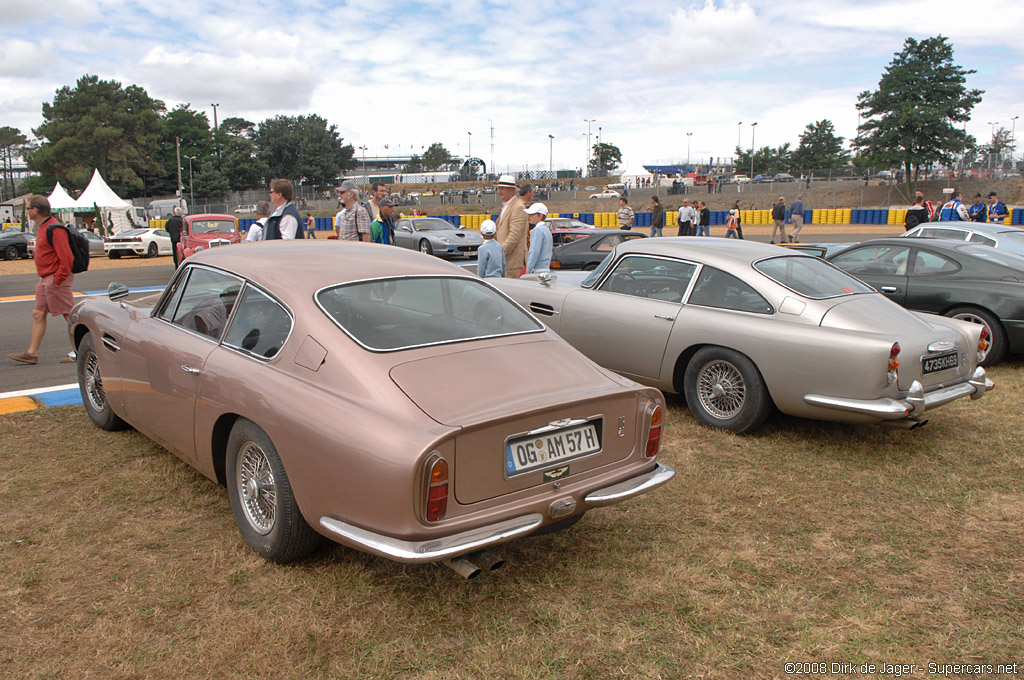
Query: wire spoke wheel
[[94, 382], [721, 389], [257, 488]]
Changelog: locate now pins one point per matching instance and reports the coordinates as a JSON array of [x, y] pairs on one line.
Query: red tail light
[[983, 343], [555, 264], [654, 433], [437, 490], [894, 362]]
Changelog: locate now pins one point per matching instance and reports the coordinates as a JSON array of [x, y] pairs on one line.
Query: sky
[[663, 80]]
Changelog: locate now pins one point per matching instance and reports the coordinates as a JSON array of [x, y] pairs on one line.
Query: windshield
[[1015, 235], [401, 313], [213, 227], [433, 225], [811, 276], [596, 274], [133, 232]]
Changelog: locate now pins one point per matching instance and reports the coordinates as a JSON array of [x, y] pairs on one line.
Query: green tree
[[436, 157], [13, 144], [605, 158], [820, 148], [192, 129], [209, 182], [101, 125], [912, 119], [414, 165], [302, 149]]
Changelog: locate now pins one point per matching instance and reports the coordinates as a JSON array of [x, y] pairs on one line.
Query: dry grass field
[[806, 542]]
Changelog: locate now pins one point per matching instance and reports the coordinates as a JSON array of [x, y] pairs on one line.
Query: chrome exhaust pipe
[[462, 567], [904, 424], [487, 560]]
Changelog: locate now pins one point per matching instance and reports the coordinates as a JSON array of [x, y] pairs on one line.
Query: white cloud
[[24, 59]]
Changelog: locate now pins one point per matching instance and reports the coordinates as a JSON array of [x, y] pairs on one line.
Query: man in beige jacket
[[513, 227]]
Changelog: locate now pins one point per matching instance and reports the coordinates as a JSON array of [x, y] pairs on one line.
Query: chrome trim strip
[[434, 549], [630, 488], [110, 344]]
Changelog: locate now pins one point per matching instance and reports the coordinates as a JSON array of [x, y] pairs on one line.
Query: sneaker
[[67, 360], [24, 358]]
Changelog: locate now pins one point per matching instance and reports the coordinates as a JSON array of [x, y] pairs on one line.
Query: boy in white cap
[[490, 258], [539, 257], [731, 223]]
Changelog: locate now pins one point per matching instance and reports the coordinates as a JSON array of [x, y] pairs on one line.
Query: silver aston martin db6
[[739, 326], [376, 396]]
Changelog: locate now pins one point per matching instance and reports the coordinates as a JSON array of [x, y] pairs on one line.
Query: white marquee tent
[[60, 199], [115, 210]]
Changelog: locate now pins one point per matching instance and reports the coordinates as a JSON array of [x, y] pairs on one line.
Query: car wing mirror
[[116, 291], [544, 278]]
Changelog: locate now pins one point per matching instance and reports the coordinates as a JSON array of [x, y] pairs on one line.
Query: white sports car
[[143, 242]]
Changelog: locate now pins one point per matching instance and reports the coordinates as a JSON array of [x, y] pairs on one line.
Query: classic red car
[[208, 230], [379, 397]]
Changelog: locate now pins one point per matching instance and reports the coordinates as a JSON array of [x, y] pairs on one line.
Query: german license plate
[[939, 362], [541, 450]]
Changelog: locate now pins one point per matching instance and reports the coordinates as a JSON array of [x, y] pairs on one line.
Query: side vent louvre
[[542, 309]]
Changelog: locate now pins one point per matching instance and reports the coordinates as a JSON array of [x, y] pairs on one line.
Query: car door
[[405, 235], [625, 322], [882, 266], [163, 356], [929, 282]]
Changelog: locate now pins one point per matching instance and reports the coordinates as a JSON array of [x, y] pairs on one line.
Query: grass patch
[[807, 541]]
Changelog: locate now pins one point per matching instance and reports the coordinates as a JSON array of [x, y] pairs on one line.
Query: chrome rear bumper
[[442, 547], [914, 405]]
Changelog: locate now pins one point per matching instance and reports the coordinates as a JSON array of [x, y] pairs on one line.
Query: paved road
[[15, 315], [16, 323]]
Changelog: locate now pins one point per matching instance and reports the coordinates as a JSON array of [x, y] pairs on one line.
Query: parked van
[[164, 208]]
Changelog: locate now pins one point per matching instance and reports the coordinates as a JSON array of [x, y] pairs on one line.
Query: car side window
[[719, 289], [886, 260], [206, 301], [928, 263], [260, 324], [607, 244], [982, 239], [650, 277]]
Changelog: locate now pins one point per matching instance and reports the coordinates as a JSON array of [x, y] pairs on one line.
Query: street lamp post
[[600, 154], [688, 136], [753, 128], [739, 128], [1013, 138], [216, 146], [363, 149], [991, 144], [191, 194], [469, 146], [588, 121], [551, 156]]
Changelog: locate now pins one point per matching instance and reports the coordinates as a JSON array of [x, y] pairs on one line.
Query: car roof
[[211, 216], [299, 267], [991, 228], [711, 250]]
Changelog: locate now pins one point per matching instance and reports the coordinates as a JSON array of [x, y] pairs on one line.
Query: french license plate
[[939, 362], [547, 448]]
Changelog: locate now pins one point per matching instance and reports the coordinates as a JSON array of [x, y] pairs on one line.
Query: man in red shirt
[[53, 265]]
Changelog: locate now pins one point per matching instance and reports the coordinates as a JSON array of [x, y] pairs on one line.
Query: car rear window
[[401, 313], [811, 277]]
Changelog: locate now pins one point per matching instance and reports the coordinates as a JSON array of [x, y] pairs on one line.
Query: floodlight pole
[[753, 128]]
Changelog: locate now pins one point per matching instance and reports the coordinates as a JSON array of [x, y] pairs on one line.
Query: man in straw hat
[[512, 227]]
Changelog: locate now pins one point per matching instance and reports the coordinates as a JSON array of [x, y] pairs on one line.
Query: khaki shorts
[[53, 299]]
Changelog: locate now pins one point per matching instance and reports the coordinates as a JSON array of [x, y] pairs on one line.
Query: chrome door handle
[[890, 289], [665, 316], [189, 369]]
